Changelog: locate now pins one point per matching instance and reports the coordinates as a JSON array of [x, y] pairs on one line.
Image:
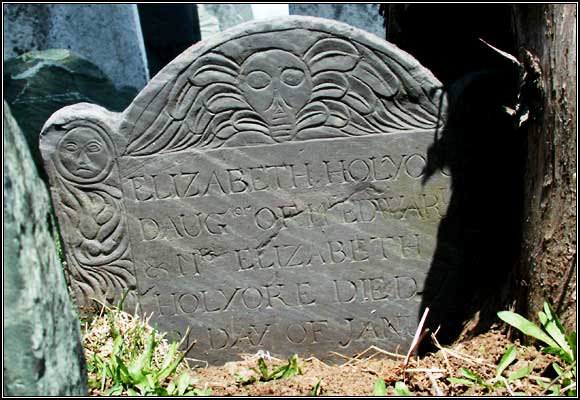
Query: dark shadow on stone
[[479, 239]]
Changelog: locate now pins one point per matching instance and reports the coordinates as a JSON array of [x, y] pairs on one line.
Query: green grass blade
[[558, 352], [264, 369], [461, 381], [116, 390], [143, 363], [520, 373], [183, 383], [292, 368], [508, 357], [471, 375], [316, 389], [526, 326], [555, 329], [401, 389], [112, 328], [380, 389], [169, 356]]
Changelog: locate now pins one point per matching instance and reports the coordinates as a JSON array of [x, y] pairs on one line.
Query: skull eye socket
[[258, 79], [292, 77]]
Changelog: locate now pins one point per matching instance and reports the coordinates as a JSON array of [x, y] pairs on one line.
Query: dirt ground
[[354, 376], [357, 376]]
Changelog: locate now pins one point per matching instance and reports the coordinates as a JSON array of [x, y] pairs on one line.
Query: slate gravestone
[[265, 189]]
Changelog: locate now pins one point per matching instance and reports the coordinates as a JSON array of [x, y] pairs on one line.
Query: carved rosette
[[81, 158]]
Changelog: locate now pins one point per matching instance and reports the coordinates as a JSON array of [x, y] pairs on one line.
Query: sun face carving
[[84, 155], [277, 85]]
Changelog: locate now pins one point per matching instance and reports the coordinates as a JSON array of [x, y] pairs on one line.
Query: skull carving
[[277, 85]]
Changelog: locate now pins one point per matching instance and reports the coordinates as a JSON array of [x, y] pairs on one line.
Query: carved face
[[277, 85], [83, 153]]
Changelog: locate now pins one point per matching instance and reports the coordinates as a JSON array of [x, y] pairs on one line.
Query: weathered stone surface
[[267, 189], [37, 84], [214, 18], [109, 35], [42, 352], [362, 16]]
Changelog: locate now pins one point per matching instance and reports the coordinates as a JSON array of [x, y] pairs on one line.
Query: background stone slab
[[38, 83], [363, 16], [109, 35], [43, 355]]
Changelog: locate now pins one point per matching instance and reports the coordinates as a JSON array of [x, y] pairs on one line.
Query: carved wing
[[202, 107], [356, 90], [357, 93]]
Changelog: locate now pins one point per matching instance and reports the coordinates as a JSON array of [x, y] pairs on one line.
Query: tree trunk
[[529, 207], [548, 259]]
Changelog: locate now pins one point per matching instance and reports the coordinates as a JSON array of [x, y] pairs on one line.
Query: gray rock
[[268, 189], [363, 16], [37, 84], [43, 355], [214, 18], [109, 35]]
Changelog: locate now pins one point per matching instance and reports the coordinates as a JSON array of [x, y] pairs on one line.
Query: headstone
[[109, 35], [38, 83], [214, 18], [362, 16], [43, 355], [267, 189]]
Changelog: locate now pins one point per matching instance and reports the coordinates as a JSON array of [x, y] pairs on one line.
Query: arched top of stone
[[286, 79]]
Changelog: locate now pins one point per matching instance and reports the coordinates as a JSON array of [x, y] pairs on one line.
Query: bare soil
[[357, 376]]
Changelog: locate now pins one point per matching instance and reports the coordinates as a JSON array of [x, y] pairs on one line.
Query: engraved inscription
[[268, 190]]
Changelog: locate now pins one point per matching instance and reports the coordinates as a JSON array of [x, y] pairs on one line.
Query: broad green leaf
[[116, 390], [132, 392], [520, 373], [380, 389], [401, 389], [123, 374], [461, 381], [171, 388], [164, 373], [169, 356], [142, 363], [541, 383], [508, 357], [572, 343], [183, 383], [471, 375], [557, 368], [526, 326], [117, 349], [202, 392], [555, 329], [557, 351]]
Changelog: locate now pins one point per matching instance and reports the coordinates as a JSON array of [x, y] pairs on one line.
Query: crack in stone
[[361, 187]]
